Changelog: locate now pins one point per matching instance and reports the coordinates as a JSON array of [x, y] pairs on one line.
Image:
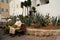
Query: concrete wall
[[14, 11], [15, 8], [53, 8]]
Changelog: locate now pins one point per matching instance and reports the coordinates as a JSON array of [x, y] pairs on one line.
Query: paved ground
[[26, 37]]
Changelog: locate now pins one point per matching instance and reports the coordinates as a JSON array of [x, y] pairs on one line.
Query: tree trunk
[[22, 11], [27, 11]]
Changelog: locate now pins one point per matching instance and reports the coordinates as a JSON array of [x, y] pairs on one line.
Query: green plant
[[28, 20], [43, 22], [40, 19], [6, 29], [54, 21], [14, 18], [10, 23], [58, 22], [47, 18], [29, 3], [21, 18], [36, 18]]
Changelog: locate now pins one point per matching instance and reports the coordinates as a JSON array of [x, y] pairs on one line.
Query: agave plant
[[47, 18], [40, 19], [58, 22], [43, 22], [21, 18], [28, 21], [36, 21], [54, 21], [36, 18]]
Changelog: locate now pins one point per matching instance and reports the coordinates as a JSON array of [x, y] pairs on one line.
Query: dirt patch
[[46, 27]]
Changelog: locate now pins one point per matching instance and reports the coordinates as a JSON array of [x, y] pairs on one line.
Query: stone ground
[[26, 37]]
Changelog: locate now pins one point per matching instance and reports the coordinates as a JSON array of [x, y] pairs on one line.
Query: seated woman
[[12, 29]]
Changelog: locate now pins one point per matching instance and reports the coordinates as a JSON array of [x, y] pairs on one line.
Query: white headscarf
[[18, 23]]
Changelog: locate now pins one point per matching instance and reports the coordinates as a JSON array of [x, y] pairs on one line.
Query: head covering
[[9, 20], [18, 23], [17, 19]]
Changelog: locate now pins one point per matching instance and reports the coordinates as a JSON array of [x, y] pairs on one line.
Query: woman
[[18, 24]]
